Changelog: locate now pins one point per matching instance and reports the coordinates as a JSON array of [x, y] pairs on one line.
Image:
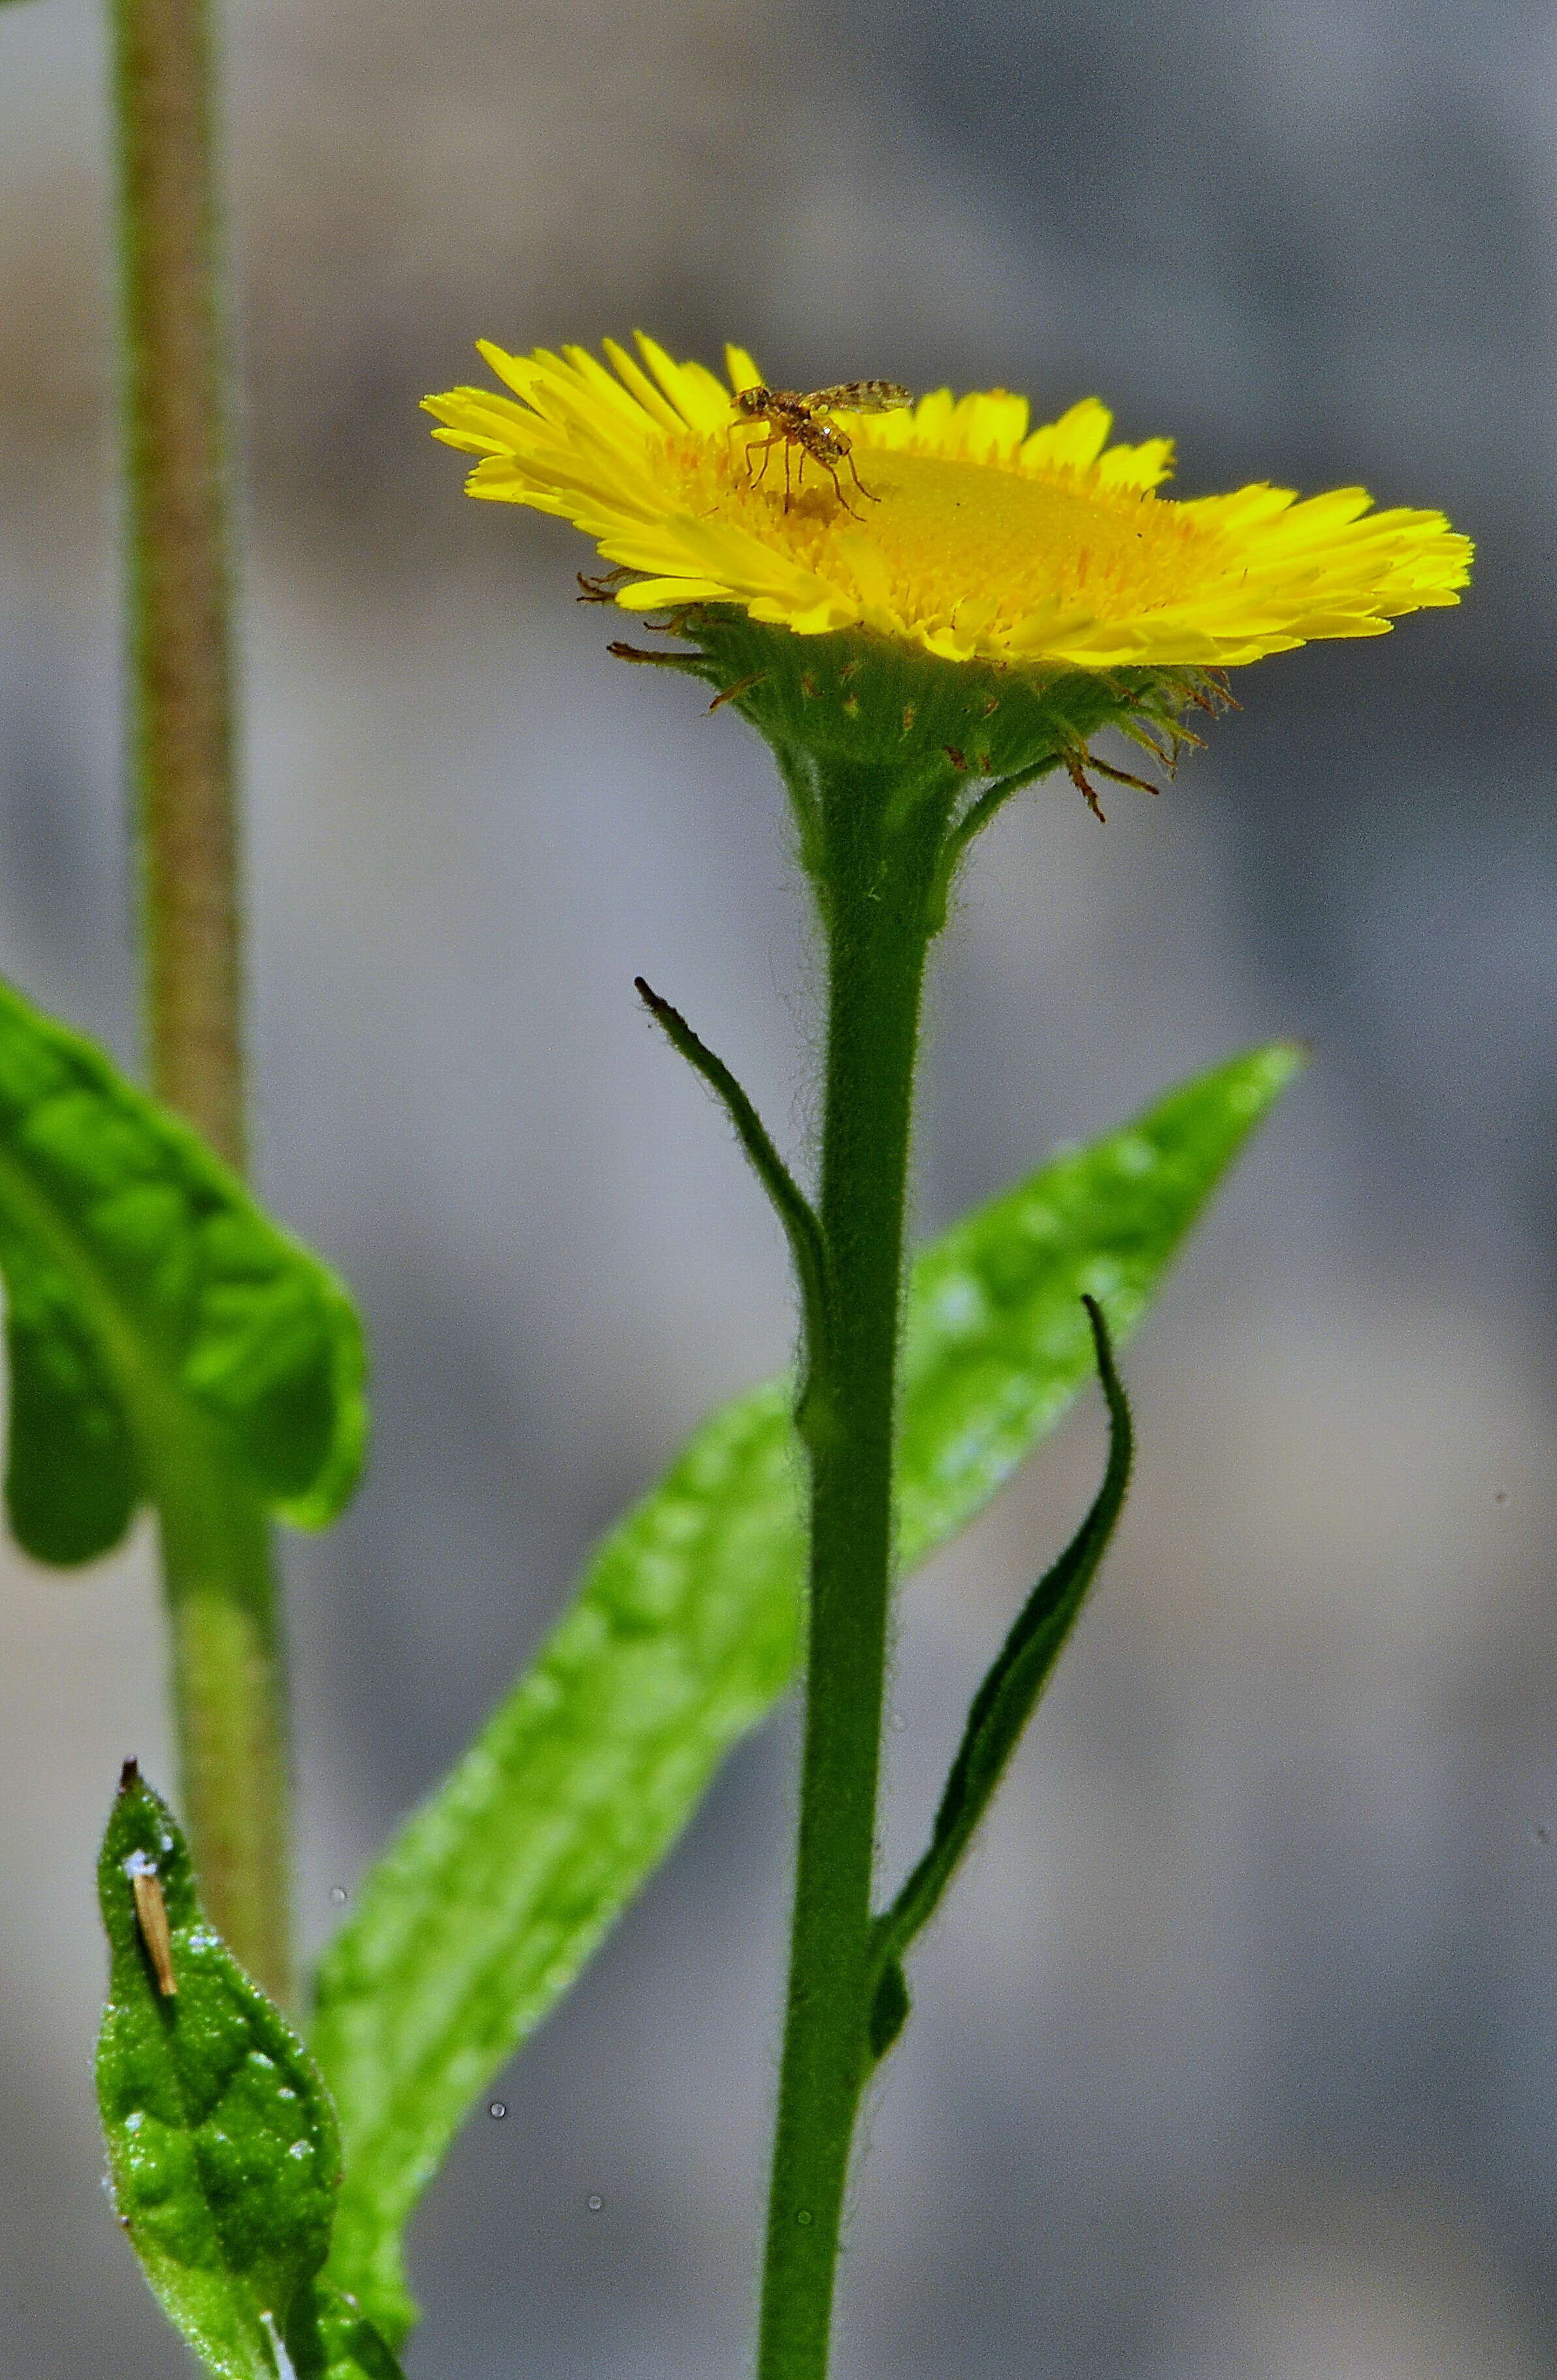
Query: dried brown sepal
[[1079, 778], [601, 589], [1120, 776], [622, 652], [1165, 744], [1210, 692], [732, 693]]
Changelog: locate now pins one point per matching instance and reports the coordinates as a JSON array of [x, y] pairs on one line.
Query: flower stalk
[[874, 744], [228, 1673], [874, 837]]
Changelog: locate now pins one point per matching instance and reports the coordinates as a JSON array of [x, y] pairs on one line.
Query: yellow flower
[[968, 534]]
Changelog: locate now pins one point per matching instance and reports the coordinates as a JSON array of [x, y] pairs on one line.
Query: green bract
[[875, 698]]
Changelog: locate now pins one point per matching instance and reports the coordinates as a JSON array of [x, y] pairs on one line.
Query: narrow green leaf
[[223, 2152], [998, 1342], [338, 2342], [146, 1295], [808, 1249], [684, 1634], [1000, 1710], [481, 1912]]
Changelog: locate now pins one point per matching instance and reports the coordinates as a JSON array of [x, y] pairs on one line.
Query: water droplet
[[899, 1722], [1541, 1834], [594, 2201], [338, 1894], [802, 2217], [498, 2109]]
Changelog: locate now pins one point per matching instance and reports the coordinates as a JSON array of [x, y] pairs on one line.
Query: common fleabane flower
[[1044, 557]]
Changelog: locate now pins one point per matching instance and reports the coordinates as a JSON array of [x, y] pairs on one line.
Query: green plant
[[917, 641]]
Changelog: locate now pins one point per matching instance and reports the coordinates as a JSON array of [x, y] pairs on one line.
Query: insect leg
[[854, 472], [831, 470]]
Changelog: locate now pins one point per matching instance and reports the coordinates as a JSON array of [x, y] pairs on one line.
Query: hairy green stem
[[872, 845], [175, 527], [228, 1674], [227, 1686]]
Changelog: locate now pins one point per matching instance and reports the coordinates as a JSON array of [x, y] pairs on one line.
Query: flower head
[[949, 525]]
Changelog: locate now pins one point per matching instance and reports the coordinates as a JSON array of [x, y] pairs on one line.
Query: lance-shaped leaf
[[684, 1634], [148, 1299], [222, 2148], [338, 2342], [1000, 1710]]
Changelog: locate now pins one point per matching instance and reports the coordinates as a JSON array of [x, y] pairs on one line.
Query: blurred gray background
[[1235, 2056]]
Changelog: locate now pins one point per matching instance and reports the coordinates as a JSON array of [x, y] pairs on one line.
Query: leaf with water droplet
[[223, 2152], [156, 1320], [334, 2340], [685, 1632]]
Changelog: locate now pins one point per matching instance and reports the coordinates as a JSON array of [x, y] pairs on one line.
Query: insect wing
[[150, 1911], [861, 396]]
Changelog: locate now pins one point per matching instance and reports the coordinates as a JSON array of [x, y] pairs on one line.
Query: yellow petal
[[952, 524]]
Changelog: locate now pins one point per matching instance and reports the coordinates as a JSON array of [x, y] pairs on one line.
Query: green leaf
[[684, 1634], [338, 2342], [223, 2152], [1001, 1708], [148, 1297]]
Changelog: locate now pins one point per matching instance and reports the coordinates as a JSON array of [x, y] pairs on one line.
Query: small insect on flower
[[994, 539], [151, 1912], [794, 421]]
